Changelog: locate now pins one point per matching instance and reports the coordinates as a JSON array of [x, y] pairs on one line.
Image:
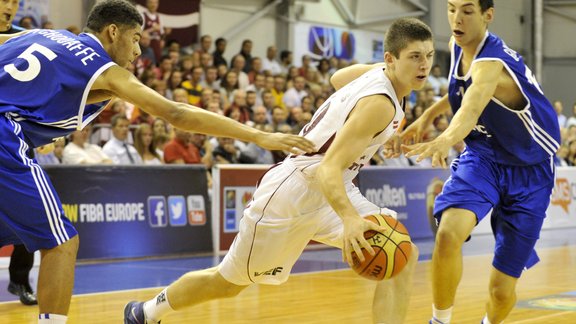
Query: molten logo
[[561, 195]]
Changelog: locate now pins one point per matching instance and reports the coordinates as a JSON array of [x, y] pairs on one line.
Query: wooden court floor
[[340, 297]]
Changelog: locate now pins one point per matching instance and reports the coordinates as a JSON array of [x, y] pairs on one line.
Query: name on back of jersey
[[73, 45]]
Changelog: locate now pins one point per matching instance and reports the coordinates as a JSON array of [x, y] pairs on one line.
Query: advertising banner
[[562, 209], [135, 211], [319, 41], [233, 187], [409, 192]]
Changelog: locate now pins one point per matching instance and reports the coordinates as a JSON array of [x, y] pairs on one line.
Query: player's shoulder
[[378, 100], [494, 46], [112, 77]]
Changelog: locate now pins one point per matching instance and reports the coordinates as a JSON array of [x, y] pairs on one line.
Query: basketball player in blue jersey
[[311, 196], [21, 261], [511, 134], [54, 82]]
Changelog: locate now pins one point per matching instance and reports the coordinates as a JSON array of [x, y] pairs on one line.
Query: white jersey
[[332, 115]]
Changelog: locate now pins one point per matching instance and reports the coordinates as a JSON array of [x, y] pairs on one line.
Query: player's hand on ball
[[392, 247], [354, 241]]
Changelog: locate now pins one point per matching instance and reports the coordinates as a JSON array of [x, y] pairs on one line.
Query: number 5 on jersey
[[34, 66]]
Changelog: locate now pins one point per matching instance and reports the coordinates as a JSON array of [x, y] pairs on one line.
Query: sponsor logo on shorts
[[271, 272], [161, 298]]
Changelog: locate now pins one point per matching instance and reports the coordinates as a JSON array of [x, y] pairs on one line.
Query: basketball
[[393, 249]]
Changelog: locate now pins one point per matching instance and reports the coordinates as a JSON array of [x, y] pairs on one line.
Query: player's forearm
[[467, 116], [198, 120], [332, 185]]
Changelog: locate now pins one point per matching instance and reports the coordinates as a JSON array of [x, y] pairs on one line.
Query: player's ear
[[113, 31], [489, 15], [389, 60]]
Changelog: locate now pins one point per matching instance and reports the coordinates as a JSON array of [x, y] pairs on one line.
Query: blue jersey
[[503, 135], [45, 77]]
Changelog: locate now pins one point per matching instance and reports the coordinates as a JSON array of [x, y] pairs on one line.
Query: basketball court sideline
[[322, 289]]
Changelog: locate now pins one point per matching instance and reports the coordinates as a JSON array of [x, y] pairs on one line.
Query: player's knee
[[225, 287], [501, 295], [69, 247], [72, 245], [448, 239], [231, 290]]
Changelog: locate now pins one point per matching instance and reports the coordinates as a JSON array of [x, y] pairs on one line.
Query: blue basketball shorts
[[518, 197], [31, 212]]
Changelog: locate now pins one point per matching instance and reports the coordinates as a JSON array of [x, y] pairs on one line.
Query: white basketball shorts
[[287, 211]]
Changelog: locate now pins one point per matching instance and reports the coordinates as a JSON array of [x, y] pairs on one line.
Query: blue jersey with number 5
[[45, 77], [505, 135]]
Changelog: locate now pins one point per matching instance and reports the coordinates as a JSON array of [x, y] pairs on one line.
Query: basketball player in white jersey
[[311, 196]]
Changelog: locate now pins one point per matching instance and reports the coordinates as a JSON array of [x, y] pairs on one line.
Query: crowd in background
[[270, 91]]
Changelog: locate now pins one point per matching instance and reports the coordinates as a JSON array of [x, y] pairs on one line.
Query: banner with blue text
[[135, 211], [409, 192]]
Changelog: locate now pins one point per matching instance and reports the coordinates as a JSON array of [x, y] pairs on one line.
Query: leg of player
[[191, 289], [502, 296], [56, 277], [455, 226], [392, 297], [21, 262]]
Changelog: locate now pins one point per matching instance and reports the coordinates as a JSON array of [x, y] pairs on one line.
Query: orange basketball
[[393, 248]]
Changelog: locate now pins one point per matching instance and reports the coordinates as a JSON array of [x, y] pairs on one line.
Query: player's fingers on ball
[[346, 253], [356, 248], [381, 229], [367, 246]]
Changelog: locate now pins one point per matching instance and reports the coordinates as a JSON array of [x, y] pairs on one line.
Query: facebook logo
[[177, 210], [157, 214]]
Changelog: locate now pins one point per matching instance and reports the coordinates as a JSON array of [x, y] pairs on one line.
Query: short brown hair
[[404, 31]]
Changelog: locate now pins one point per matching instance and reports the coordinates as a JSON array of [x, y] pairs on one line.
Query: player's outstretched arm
[[370, 116], [124, 85], [474, 101], [346, 75], [473, 104]]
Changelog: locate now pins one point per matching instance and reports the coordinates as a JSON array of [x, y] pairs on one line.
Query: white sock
[[485, 320], [157, 307], [442, 315], [52, 319]]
